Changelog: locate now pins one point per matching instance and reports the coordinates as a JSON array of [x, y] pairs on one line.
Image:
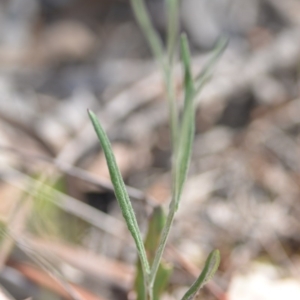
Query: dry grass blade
[[43, 279], [81, 174], [71, 205], [96, 266]]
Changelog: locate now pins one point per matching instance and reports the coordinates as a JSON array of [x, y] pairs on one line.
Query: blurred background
[[62, 233]]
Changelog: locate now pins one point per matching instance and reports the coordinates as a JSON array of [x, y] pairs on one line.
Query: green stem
[[182, 151], [172, 8]]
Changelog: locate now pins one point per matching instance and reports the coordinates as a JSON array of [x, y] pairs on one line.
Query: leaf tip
[[213, 262], [90, 113], [183, 35]]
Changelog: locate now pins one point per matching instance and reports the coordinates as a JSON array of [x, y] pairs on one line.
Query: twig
[[46, 146], [82, 175], [288, 9], [41, 262], [96, 266], [43, 279], [16, 222], [71, 205]]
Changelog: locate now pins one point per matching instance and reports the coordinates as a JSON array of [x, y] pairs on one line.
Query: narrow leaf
[[143, 18], [139, 285], [155, 227], [210, 268], [186, 58], [121, 193], [206, 72], [162, 279], [173, 26], [187, 124]]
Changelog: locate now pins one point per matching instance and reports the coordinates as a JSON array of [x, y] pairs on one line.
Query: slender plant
[[182, 136]]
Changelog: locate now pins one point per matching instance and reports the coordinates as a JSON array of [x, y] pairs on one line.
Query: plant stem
[[182, 156], [172, 34], [155, 43]]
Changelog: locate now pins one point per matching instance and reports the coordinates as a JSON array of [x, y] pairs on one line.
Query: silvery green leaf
[[187, 127], [120, 192], [206, 72], [209, 270]]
